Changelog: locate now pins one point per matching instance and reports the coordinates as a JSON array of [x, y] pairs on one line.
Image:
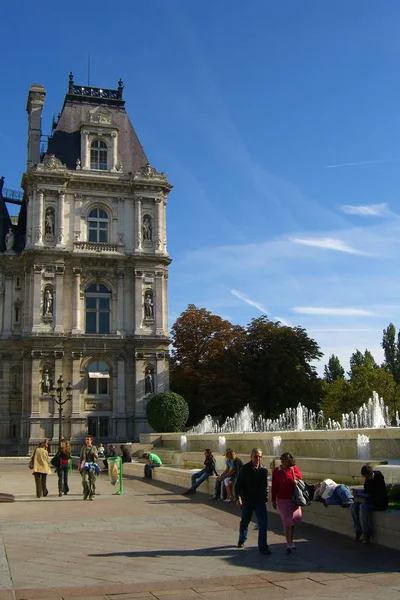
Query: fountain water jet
[[363, 447]]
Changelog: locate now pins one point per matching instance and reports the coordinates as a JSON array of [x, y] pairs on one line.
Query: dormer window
[[98, 155]]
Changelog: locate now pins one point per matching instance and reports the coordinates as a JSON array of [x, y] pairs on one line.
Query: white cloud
[[364, 162], [249, 301], [333, 312], [367, 210], [327, 243]]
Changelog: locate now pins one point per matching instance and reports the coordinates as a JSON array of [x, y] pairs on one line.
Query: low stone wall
[[386, 524], [341, 444]]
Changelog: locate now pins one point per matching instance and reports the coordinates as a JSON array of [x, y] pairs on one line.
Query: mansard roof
[[79, 106]]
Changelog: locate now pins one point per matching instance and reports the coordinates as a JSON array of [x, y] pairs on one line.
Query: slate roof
[[65, 142]]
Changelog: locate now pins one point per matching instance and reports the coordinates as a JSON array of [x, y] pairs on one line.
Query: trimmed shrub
[[167, 412]]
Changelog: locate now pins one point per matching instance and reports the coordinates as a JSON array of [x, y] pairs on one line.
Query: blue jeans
[[148, 470], [261, 513], [340, 494], [198, 478], [361, 514]]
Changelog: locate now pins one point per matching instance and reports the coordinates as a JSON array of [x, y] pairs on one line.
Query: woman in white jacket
[[41, 468]]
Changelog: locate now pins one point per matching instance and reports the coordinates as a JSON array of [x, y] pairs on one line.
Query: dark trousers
[[62, 473], [260, 509], [148, 470], [41, 484]]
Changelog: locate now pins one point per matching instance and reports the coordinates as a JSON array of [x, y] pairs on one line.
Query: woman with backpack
[[283, 484]]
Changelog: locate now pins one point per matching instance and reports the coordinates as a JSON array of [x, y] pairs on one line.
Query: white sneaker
[[228, 500]]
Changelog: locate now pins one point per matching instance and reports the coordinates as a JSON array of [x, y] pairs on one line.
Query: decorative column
[[76, 326], [138, 224], [37, 298], [161, 373], [60, 220], [85, 158], [158, 237], [59, 300], [36, 356], [39, 219], [8, 309], [159, 303], [30, 218], [140, 408], [114, 154], [164, 226], [120, 307], [121, 407], [138, 302], [165, 303], [76, 383]]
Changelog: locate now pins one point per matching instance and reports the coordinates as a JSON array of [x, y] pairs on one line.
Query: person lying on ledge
[[373, 497], [331, 493]]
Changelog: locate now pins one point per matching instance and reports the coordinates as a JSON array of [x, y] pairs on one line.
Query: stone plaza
[[152, 543]]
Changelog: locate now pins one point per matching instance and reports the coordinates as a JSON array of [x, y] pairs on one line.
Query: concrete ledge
[[386, 524]]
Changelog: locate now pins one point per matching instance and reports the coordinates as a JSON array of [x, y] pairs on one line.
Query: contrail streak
[[366, 162]]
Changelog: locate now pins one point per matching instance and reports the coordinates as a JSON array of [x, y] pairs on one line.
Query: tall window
[[98, 225], [98, 427], [98, 378], [98, 299], [98, 155]]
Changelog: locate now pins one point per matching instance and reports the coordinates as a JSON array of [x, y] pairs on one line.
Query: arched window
[[98, 226], [98, 302], [98, 378], [98, 155]]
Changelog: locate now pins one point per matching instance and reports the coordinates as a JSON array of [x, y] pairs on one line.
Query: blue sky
[[249, 108]]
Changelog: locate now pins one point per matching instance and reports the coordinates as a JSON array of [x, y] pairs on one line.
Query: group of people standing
[[41, 464]]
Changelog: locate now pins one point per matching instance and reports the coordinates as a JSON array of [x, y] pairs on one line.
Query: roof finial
[[120, 88], [71, 83]]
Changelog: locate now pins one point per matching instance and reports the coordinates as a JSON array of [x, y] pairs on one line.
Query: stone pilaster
[[138, 224], [120, 309], [59, 304], [76, 327], [159, 221], [121, 395], [8, 308], [37, 298], [140, 407], [35, 382], [164, 226], [60, 220], [39, 218], [158, 301], [76, 383]]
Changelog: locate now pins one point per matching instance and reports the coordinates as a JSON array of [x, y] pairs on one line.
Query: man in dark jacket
[[252, 494], [200, 476], [374, 497]]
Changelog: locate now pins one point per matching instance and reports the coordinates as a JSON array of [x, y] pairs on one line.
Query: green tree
[[277, 367], [391, 348], [358, 359], [337, 398], [205, 363], [167, 412], [333, 370]]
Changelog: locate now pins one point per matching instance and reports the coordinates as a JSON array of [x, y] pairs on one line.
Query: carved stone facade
[[86, 297]]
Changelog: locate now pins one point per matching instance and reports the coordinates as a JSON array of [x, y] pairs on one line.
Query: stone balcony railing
[[95, 247]]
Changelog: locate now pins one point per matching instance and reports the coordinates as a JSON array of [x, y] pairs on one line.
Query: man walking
[[252, 495]]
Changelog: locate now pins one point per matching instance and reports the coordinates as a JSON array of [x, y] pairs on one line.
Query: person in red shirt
[[283, 478]]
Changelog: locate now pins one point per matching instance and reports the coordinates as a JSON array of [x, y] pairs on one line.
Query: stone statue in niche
[[149, 306], [9, 239], [147, 229], [149, 381], [46, 382], [49, 222], [48, 303]]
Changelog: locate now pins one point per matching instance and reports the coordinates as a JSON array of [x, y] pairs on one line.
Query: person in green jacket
[[152, 461]]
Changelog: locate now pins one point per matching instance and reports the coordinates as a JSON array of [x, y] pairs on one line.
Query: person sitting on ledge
[[152, 461], [219, 484], [373, 497], [208, 470], [331, 493]]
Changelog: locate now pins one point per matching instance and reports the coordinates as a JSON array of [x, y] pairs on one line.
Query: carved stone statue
[[49, 223], [48, 303], [147, 229], [9, 239], [149, 306], [148, 382], [78, 163], [46, 382]]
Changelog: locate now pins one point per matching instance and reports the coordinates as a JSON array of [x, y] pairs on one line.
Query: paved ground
[[153, 543]]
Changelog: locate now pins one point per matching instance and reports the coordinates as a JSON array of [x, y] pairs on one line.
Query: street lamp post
[[60, 402]]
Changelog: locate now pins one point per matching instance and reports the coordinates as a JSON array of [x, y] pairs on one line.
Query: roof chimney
[[34, 107]]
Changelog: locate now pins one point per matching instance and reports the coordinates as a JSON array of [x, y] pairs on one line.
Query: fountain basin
[[329, 444]]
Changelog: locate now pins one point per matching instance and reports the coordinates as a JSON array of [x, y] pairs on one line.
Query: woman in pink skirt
[[283, 478]]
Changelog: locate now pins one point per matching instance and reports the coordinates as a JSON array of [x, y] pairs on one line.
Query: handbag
[[303, 492]]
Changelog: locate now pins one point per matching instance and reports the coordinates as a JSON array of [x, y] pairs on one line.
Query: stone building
[[83, 278]]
